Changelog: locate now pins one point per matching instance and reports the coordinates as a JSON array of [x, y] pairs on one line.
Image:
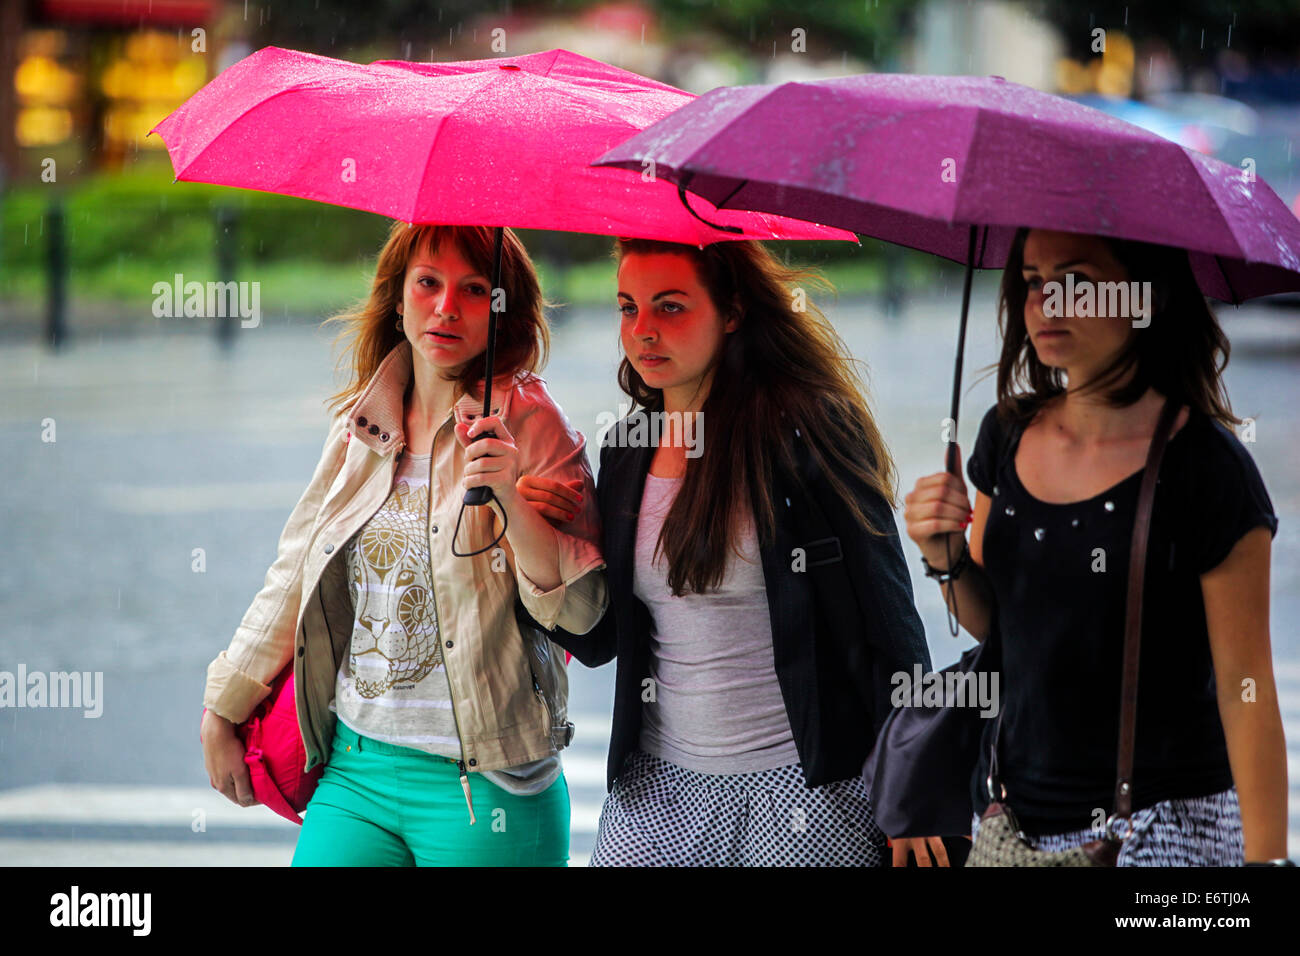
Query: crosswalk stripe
[[584, 770], [130, 804], [591, 729], [123, 804], [83, 853]]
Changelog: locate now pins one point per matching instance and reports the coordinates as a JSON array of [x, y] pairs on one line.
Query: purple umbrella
[[954, 165]]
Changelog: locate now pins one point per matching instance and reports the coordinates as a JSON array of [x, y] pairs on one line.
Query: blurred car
[[1181, 128]]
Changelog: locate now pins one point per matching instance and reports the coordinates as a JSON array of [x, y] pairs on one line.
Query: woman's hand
[[557, 501], [936, 507], [922, 847], [223, 756], [490, 462]]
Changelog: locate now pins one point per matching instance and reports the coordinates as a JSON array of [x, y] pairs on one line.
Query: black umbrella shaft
[[953, 467], [482, 494], [492, 322]]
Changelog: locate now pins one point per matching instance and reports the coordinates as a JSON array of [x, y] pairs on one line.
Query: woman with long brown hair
[[759, 599], [415, 666], [1057, 468]]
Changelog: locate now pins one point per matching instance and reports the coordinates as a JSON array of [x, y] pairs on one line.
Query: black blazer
[[841, 626]]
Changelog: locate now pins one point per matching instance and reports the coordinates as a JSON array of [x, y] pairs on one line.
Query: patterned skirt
[[661, 814], [1198, 831]]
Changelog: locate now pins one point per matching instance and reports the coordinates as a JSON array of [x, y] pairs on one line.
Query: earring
[[399, 323]]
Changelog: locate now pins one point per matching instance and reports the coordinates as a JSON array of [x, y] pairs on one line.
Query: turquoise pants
[[380, 804]]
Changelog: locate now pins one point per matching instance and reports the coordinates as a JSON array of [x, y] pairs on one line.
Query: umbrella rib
[[1218, 259], [428, 163], [727, 198], [965, 166], [713, 136], [1238, 252], [226, 127]]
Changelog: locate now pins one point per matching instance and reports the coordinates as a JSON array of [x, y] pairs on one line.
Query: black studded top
[[1060, 576]]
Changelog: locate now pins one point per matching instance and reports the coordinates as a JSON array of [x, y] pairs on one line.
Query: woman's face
[[444, 309], [670, 330], [1082, 345]]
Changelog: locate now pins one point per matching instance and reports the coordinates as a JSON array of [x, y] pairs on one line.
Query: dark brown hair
[[1182, 353], [779, 359], [370, 327]]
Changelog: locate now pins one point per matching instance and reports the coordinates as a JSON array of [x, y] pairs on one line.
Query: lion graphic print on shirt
[[393, 686]]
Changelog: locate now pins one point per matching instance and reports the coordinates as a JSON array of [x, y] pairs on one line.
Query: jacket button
[[362, 421], [433, 529], [448, 644], [384, 437], [301, 650], [329, 548], [473, 763], [374, 429]]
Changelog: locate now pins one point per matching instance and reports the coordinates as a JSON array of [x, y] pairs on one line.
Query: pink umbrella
[[498, 142]]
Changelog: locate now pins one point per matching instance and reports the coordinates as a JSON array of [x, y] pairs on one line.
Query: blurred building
[[984, 39], [91, 77]]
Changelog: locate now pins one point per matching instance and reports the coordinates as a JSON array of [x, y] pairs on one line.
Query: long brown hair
[[370, 327], [779, 359], [1182, 353]]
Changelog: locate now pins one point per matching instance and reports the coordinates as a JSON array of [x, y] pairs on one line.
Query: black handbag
[[919, 773]]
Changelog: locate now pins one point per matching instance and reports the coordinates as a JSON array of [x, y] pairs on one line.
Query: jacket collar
[[378, 416]]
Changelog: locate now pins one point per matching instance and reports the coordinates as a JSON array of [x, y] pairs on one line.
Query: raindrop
[[1074, 522], [1010, 510], [1109, 506], [1039, 534]]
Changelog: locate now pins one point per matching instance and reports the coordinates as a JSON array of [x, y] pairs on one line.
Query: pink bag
[[275, 754]]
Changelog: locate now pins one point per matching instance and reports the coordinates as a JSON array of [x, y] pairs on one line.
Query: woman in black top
[[1056, 467]]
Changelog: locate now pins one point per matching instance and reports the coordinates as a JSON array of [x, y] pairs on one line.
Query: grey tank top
[[713, 703]]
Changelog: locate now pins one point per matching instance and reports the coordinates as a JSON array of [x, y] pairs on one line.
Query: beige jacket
[[508, 683]]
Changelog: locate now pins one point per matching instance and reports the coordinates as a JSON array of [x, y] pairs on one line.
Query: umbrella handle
[[482, 494]]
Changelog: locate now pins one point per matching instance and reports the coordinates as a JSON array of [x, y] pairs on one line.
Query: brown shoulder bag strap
[[1133, 616]]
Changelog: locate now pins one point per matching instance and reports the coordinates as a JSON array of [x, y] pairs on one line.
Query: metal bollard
[[56, 275], [227, 219]]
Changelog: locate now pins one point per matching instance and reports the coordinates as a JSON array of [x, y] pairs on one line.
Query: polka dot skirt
[[1199, 831], [661, 814]]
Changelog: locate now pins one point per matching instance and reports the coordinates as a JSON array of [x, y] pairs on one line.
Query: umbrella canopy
[[917, 160], [497, 142]]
